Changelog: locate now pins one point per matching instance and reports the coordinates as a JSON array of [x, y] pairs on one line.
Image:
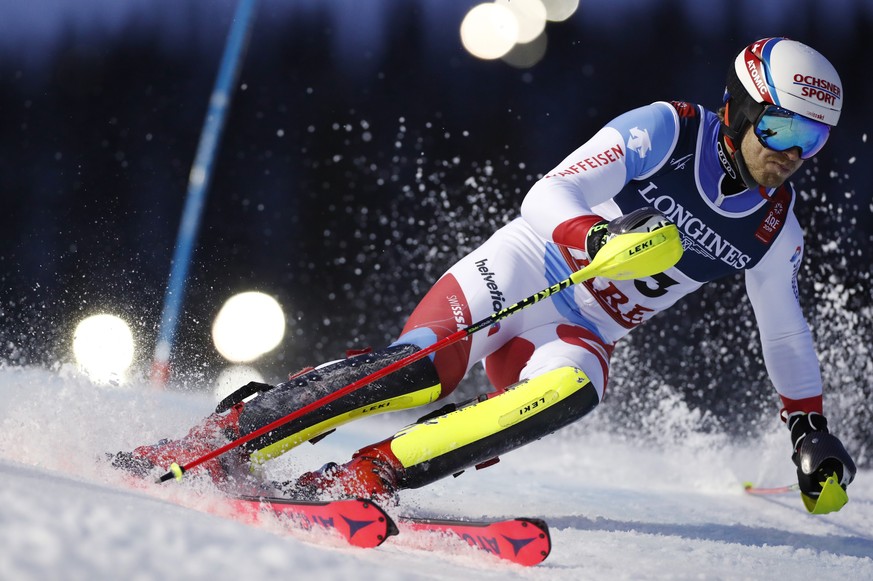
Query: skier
[[721, 178]]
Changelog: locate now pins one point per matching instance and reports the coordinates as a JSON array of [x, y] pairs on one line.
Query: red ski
[[361, 523], [524, 541]]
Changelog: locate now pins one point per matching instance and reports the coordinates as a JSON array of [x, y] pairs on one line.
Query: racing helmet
[[779, 74]]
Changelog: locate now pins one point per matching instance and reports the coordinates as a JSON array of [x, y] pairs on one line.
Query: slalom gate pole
[[625, 257], [198, 186]]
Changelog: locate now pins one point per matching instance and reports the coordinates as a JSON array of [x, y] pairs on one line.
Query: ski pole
[[752, 489], [627, 256]]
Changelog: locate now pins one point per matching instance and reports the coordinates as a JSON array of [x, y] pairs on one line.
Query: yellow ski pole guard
[[635, 255], [831, 499]]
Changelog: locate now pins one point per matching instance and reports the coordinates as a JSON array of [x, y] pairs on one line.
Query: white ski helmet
[[784, 73]]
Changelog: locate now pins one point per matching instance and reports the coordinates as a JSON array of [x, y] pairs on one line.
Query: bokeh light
[[524, 56], [531, 17], [513, 30], [560, 10], [247, 326], [103, 346], [489, 31]]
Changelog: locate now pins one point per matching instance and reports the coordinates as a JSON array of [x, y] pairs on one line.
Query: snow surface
[[617, 509]]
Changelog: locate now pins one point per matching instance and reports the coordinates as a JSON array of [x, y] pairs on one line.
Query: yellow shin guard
[[479, 432]]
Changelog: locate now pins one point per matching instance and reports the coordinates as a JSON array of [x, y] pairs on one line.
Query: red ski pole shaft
[[626, 257]]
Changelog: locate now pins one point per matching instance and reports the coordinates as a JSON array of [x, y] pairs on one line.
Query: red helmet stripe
[[757, 48], [757, 73]]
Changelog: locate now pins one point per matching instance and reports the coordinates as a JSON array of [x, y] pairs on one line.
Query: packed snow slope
[[618, 508]]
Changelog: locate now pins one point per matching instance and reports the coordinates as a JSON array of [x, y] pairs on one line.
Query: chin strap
[[735, 158], [743, 170], [739, 113]]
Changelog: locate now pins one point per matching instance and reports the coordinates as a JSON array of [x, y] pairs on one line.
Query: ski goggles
[[781, 130]]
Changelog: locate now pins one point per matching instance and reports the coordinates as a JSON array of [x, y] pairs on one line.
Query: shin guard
[[476, 434], [411, 386]]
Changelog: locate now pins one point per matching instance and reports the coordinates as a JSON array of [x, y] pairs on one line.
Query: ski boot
[[371, 473], [212, 433]]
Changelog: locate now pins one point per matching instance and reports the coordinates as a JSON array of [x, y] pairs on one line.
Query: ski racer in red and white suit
[[720, 178]]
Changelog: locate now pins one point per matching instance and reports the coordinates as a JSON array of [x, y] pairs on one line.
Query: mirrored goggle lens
[[780, 130]]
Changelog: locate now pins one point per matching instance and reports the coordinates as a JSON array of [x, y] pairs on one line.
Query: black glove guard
[[819, 456]]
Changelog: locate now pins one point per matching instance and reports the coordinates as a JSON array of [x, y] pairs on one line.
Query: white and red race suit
[[667, 156]]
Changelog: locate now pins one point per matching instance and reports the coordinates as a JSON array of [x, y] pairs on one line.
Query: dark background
[[366, 151]]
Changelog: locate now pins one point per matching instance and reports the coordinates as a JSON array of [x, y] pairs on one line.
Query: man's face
[[768, 168]]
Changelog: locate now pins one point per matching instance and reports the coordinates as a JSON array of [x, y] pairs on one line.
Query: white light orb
[[560, 10], [103, 347], [247, 326], [531, 17], [524, 56], [489, 31]]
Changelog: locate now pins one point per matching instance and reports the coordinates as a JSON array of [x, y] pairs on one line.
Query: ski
[[363, 523], [359, 522], [524, 541]]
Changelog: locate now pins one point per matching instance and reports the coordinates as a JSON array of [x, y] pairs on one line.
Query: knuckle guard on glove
[[640, 220], [818, 454]]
